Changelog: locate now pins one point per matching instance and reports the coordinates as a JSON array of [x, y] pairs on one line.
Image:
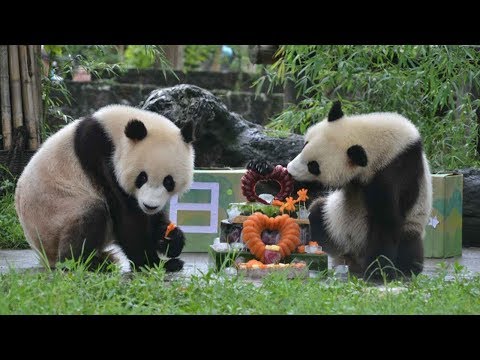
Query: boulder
[[223, 138]]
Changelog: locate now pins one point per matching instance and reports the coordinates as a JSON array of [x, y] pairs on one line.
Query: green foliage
[[196, 55], [139, 56], [241, 61], [106, 54], [96, 59], [77, 291], [99, 60], [11, 233], [145, 56], [433, 86]]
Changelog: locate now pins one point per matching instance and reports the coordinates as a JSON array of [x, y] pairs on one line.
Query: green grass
[[11, 233], [80, 292], [76, 291]]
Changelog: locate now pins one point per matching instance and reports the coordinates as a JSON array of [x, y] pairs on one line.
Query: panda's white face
[[345, 148], [156, 172], [324, 157], [152, 160]]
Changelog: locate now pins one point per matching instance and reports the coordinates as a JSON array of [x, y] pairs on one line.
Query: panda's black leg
[[410, 253], [85, 238], [318, 231], [381, 253], [384, 223]]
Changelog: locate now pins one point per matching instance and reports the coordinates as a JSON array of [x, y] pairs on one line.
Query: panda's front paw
[[173, 265], [260, 166], [173, 245]]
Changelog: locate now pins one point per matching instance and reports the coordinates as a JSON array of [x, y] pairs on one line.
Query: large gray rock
[[471, 207], [223, 138]]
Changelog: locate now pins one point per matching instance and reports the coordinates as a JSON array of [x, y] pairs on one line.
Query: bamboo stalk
[[32, 72], [27, 98], [38, 77], [15, 86], [6, 110]]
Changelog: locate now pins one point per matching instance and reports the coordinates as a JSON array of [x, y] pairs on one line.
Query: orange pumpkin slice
[[258, 222]]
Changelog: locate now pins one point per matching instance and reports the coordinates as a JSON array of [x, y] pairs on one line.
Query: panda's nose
[[150, 207]]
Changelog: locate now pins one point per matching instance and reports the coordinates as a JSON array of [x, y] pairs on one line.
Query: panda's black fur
[[388, 197], [375, 215], [140, 235], [80, 193]]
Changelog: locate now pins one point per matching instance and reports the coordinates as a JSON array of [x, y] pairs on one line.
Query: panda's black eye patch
[[169, 183], [142, 178], [313, 168]]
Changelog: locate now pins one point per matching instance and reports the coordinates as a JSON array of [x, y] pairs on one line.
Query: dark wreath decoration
[[279, 175]]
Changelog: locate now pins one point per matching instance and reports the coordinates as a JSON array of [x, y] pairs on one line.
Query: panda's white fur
[[51, 191], [382, 135], [161, 153], [54, 191], [345, 216]]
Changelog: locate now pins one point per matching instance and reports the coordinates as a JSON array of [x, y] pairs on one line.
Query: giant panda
[[381, 192], [96, 189]]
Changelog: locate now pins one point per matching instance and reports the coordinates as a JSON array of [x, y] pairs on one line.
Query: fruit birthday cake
[[270, 232]]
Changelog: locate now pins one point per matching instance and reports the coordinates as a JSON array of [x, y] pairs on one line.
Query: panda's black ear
[[188, 132], [135, 130], [335, 112], [357, 155]]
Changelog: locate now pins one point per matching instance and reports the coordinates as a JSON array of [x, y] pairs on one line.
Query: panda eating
[[381, 192], [98, 186]]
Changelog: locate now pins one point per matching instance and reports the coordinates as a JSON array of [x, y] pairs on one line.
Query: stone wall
[[133, 87], [205, 79]]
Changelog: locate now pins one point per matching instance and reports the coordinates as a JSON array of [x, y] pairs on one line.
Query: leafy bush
[[98, 60], [137, 56], [11, 232], [196, 55], [434, 86]]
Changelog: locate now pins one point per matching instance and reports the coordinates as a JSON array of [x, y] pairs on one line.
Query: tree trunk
[[38, 75], [174, 54], [216, 60], [27, 97], [262, 54], [6, 110], [121, 51], [15, 86]]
